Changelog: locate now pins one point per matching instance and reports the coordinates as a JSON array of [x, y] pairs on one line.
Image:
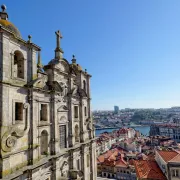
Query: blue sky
[[131, 47]]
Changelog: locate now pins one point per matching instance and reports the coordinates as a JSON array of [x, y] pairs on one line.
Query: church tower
[[46, 127]]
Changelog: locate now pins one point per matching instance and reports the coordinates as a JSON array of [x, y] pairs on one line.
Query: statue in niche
[[64, 88], [64, 169]]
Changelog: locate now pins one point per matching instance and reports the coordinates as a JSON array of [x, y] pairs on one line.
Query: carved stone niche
[[64, 170]]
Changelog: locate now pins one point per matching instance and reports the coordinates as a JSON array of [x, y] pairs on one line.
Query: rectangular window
[[62, 131], [18, 111], [175, 173], [88, 159], [85, 111], [43, 112], [78, 164], [76, 114]]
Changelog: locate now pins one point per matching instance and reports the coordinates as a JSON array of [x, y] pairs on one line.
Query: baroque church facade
[[46, 124]]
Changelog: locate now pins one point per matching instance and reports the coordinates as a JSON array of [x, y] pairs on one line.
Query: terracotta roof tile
[[121, 163], [168, 155], [148, 170]]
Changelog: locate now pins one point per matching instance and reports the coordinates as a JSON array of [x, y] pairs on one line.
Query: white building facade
[[46, 126]]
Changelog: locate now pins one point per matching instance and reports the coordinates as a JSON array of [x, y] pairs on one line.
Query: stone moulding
[[12, 133]]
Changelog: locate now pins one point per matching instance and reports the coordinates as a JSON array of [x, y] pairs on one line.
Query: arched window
[[44, 142], [84, 85], [76, 133], [18, 65]]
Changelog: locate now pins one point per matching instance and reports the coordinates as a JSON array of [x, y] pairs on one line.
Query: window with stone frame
[[44, 142], [78, 164], [84, 85], [88, 160], [76, 111], [18, 111], [18, 65], [85, 111], [62, 134], [43, 112]]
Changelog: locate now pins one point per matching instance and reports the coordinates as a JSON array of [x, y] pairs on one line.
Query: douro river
[[142, 129]]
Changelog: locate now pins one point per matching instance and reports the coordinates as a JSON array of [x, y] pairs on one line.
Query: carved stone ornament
[[12, 133], [62, 108], [64, 169]]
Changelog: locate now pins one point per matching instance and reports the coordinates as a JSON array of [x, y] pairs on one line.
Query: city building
[[169, 130], [124, 133], [146, 170], [169, 163], [46, 126], [112, 164], [116, 109], [104, 143]]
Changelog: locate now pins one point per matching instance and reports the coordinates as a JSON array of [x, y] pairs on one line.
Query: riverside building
[[46, 126]]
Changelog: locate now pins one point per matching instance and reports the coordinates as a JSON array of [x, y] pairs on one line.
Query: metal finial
[[73, 59], [29, 37], [3, 7], [85, 70]]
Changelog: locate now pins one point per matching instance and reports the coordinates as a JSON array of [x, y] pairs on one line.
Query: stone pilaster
[[83, 164], [93, 164], [53, 122], [71, 139], [81, 118]]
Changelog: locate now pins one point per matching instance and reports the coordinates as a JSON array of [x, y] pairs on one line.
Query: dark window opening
[[43, 112], [76, 114], [84, 85], [88, 159], [18, 111], [18, 65], [85, 111]]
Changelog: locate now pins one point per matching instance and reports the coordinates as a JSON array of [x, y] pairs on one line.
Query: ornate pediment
[[82, 93], [62, 108], [40, 82], [78, 92], [55, 86]]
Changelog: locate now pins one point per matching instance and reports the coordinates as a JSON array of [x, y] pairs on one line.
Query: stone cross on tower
[[58, 36], [58, 50]]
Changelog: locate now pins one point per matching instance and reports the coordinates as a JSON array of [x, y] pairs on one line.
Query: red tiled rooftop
[[121, 163], [123, 131], [148, 170], [168, 155]]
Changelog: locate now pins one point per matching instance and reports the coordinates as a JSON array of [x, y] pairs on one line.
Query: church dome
[[8, 25]]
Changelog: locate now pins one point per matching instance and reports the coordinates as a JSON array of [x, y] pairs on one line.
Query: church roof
[[6, 24], [10, 26]]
